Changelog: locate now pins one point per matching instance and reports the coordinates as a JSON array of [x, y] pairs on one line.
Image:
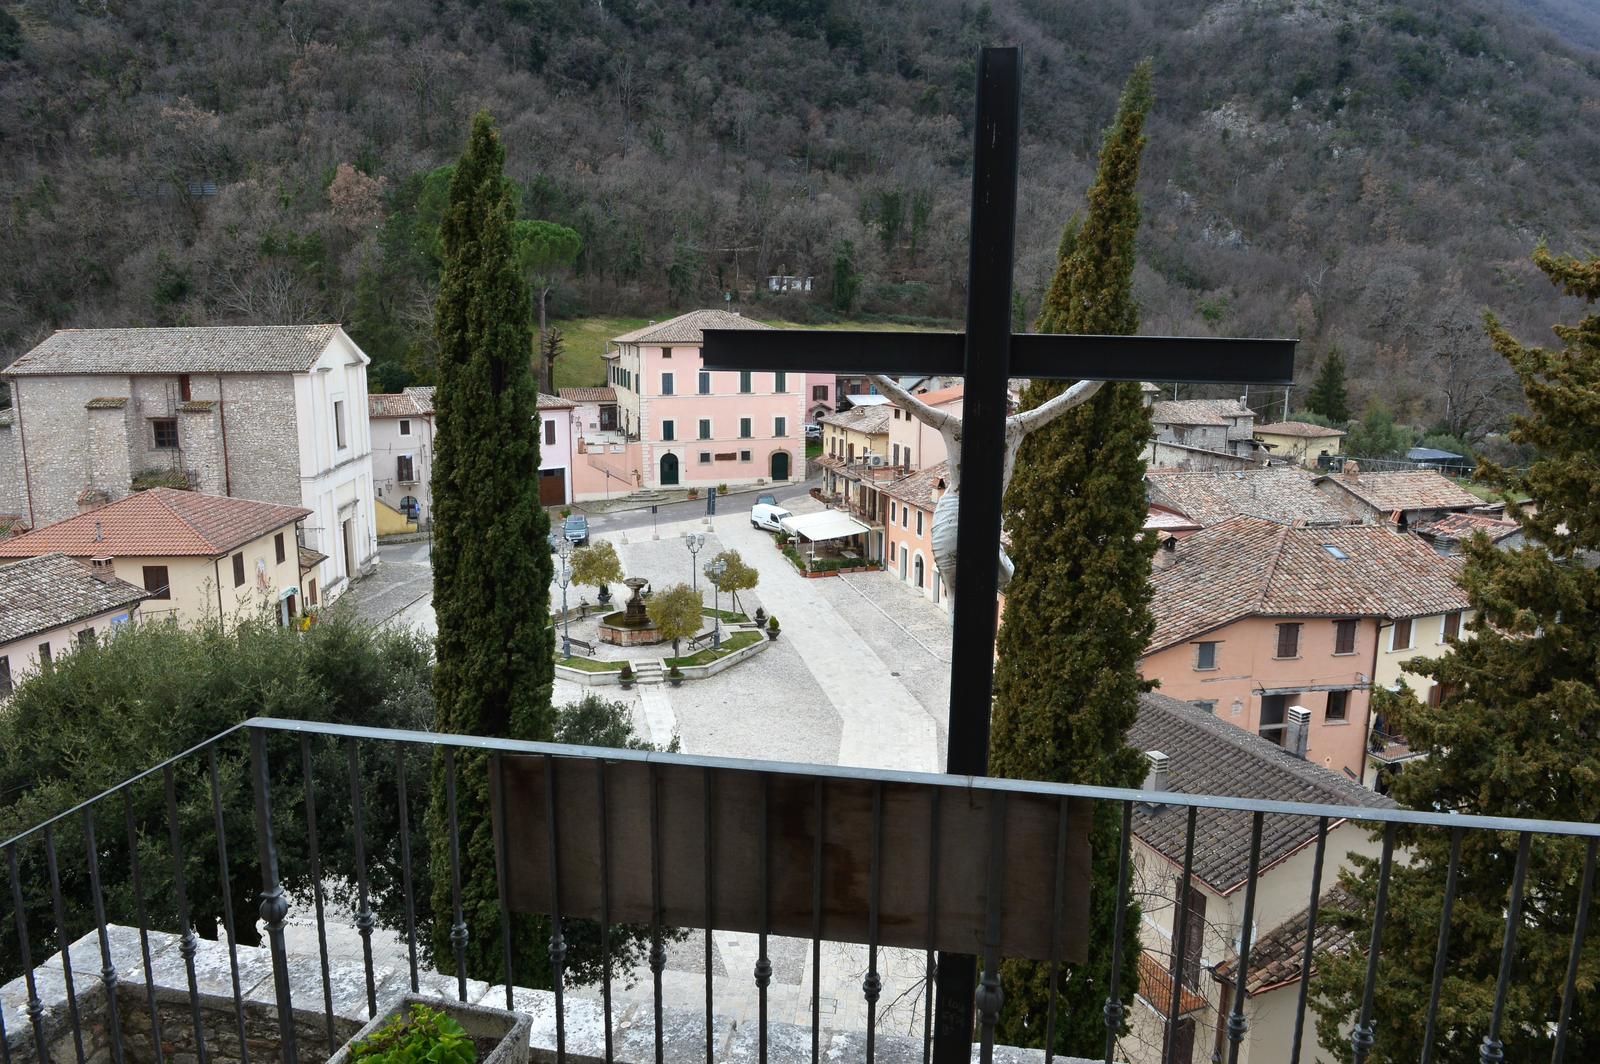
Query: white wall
[[336, 482]]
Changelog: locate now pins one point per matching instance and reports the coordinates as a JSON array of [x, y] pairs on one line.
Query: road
[[667, 513]]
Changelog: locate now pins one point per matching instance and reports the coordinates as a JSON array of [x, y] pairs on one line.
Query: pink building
[[820, 392], [908, 531], [557, 447], [684, 426], [913, 445]]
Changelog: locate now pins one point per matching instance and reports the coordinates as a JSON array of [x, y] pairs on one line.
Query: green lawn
[[736, 641], [583, 664], [727, 615]]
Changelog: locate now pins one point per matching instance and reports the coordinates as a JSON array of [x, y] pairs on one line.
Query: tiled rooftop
[[1276, 959], [161, 522], [1198, 411], [1155, 986], [1460, 526], [1247, 567], [1407, 489], [41, 593], [868, 419], [917, 489], [1304, 429], [1282, 493], [555, 402], [107, 402], [588, 395], [688, 328], [392, 404], [226, 349], [422, 395]]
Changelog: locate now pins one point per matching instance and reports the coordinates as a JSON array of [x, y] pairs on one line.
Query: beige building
[[50, 604], [1299, 442], [198, 557]]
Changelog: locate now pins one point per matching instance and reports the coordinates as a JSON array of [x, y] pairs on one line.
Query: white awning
[[829, 524]]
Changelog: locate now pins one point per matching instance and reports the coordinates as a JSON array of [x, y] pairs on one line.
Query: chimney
[[1352, 470], [1297, 731], [103, 569], [1160, 768], [1167, 555], [99, 532]]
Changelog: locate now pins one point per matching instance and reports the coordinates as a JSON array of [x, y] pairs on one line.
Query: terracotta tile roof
[[227, 349], [554, 402], [1418, 489], [1160, 519], [51, 590], [310, 559], [1281, 493], [1304, 429], [1198, 411], [161, 522], [1210, 756], [391, 404], [943, 395], [1155, 986], [422, 395], [1249, 567], [1275, 958], [107, 402], [1459, 526], [688, 328], [589, 395], [868, 419], [917, 489]]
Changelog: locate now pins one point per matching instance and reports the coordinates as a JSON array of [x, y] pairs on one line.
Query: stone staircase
[[648, 671]]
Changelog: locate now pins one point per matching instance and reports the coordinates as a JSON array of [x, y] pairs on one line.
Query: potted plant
[[439, 1031], [772, 627], [761, 617], [626, 676], [722, 489], [694, 493], [675, 676]]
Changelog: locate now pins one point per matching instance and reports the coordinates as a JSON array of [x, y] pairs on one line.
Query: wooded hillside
[[1363, 174]]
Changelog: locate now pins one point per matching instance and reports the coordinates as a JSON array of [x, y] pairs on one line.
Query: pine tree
[[1513, 735], [491, 573], [1328, 396], [1077, 613]]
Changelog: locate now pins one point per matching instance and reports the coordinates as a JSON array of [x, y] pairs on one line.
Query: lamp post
[[564, 578], [714, 571], [694, 541]]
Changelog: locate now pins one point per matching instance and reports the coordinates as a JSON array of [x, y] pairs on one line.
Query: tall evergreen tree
[[491, 572], [1514, 735], [1077, 612], [1328, 396]]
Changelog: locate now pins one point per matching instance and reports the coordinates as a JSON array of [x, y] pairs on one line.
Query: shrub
[[423, 1036], [162, 478], [772, 623]]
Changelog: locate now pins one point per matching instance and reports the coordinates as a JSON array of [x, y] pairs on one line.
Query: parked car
[[766, 500], [813, 431], [768, 516], [576, 530]]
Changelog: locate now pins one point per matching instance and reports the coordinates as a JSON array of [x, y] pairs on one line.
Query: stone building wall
[[13, 492], [263, 443], [56, 439]]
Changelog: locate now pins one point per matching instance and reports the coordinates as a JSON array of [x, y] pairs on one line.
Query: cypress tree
[[491, 571], [1077, 612], [1328, 396], [1513, 735]]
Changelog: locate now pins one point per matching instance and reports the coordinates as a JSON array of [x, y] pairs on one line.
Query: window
[[405, 426], [916, 569], [744, 456], [1273, 708], [891, 511], [666, 352], [183, 388], [780, 426], [86, 637], [338, 424], [705, 457], [919, 522], [705, 383], [238, 569], [1400, 638], [155, 582], [1338, 707], [277, 547], [896, 453], [905, 517], [666, 384], [1344, 637], [1205, 655], [404, 469], [550, 433], [311, 592], [744, 428], [1288, 641], [705, 428], [44, 654], [744, 382], [819, 391], [891, 550], [780, 382], [166, 432], [5, 676], [1450, 628], [669, 431]]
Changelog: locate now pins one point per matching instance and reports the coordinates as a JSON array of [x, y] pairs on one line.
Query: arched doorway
[[669, 470], [780, 465], [917, 570]]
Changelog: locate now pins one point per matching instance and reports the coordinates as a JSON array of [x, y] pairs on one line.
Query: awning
[[829, 524]]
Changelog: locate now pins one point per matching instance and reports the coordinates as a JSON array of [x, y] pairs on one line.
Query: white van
[[767, 516]]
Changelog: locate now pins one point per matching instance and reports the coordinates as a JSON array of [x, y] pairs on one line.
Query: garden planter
[[604, 596], [501, 1036], [772, 634]]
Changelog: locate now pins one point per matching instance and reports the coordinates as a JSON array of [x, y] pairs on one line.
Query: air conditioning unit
[[873, 461]]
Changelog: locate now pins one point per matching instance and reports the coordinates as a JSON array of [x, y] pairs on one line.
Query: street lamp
[[564, 578], [714, 571], [694, 541]]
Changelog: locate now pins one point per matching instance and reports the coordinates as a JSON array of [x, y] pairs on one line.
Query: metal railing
[[322, 752]]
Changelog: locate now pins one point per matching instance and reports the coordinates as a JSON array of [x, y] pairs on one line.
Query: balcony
[[894, 873]]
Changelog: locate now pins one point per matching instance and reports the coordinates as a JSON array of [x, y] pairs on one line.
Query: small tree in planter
[[626, 676], [737, 576], [438, 1032], [597, 566], [675, 613], [772, 627], [675, 676]]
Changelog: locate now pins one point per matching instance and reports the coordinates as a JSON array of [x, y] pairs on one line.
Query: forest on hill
[[1369, 175]]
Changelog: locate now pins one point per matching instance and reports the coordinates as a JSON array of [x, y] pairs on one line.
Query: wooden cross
[[988, 354]]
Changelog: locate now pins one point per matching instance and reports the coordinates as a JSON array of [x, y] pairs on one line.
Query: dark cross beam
[[988, 355]]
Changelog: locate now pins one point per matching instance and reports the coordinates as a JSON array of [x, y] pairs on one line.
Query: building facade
[[1403, 498], [272, 413], [1300, 442], [51, 604], [402, 451], [1221, 425], [914, 445], [908, 532]]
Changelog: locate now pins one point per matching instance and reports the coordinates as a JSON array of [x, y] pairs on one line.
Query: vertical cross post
[[988, 368]]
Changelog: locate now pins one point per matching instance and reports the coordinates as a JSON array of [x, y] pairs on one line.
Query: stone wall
[[263, 445], [13, 494]]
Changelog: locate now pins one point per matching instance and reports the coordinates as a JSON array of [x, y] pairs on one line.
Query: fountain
[[632, 626]]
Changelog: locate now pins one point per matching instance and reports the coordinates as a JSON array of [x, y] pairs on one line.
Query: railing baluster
[[1311, 939], [558, 944], [365, 919], [64, 938], [1114, 1007], [1237, 1024], [1580, 927], [658, 953], [108, 966], [502, 875], [188, 944], [35, 1006], [458, 929], [144, 922], [763, 971], [818, 801], [1180, 937], [929, 968], [872, 985], [226, 884], [990, 996], [274, 904], [405, 859], [314, 852], [1056, 903], [605, 900], [1441, 952], [1363, 1037], [1492, 1051], [708, 790]]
